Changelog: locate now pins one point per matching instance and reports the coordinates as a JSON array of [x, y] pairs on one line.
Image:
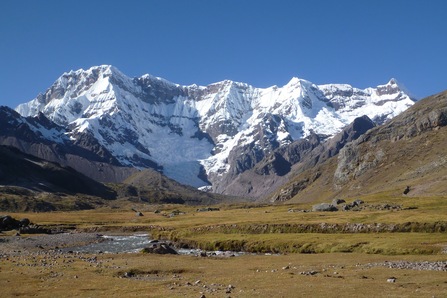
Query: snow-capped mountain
[[199, 134]]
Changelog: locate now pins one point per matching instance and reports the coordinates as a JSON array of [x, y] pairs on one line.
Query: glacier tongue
[[199, 134]]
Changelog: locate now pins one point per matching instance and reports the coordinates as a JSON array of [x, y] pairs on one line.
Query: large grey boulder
[[323, 207]]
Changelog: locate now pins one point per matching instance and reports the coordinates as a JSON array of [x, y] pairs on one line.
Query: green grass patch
[[383, 243]]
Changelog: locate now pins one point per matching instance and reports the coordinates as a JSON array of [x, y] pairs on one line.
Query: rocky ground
[[436, 266], [48, 242]]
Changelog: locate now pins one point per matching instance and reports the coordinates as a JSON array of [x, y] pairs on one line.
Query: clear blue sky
[[263, 43]]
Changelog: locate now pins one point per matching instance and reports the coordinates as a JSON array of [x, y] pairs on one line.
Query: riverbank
[[45, 242]]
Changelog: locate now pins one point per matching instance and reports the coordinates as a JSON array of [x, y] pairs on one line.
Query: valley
[[285, 256], [355, 207]]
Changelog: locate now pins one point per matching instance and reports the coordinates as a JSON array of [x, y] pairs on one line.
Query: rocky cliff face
[[364, 154], [204, 135], [319, 154]]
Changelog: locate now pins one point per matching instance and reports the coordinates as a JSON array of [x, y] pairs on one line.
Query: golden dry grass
[[338, 275]]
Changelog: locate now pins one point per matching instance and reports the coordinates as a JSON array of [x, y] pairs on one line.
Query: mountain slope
[[42, 138], [203, 135], [22, 170], [288, 161], [408, 151], [48, 147], [153, 187]]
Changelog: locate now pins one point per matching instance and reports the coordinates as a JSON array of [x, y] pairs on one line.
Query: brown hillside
[[410, 150], [152, 187]]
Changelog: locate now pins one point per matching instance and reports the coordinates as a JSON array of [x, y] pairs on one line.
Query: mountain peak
[[297, 81], [151, 78], [103, 69], [402, 88], [391, 88]]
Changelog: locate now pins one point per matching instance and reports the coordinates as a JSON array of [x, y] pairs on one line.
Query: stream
[[135, 243], [115, 244]]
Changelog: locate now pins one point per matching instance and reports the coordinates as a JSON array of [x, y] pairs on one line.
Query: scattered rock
[[358, 202], [313, 272], [391, 279], [432, 266], [208, 209]]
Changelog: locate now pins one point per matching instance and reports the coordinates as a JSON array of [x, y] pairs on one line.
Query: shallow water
[[135, 243], [116, 244]]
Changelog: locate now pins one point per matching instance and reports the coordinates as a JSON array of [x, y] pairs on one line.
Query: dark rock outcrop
[[162, 248], [23, 226]]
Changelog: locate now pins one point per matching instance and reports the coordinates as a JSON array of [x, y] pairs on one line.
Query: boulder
[[7, 223], [336, 202], [323, 207], [357, 203], [24, 222], [406, 190], [160, 248]]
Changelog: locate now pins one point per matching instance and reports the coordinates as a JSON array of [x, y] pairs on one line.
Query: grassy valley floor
[[292, 275], [393, 247]]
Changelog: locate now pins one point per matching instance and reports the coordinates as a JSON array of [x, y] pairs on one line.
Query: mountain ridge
[[199, 134]]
